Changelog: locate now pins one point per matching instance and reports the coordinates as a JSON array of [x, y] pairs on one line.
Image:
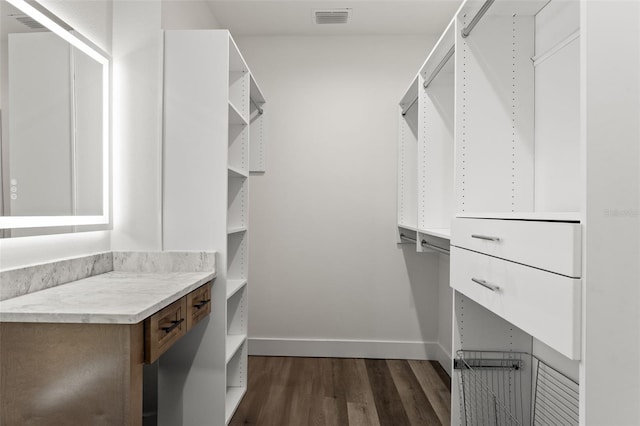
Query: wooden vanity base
[[71, 374]]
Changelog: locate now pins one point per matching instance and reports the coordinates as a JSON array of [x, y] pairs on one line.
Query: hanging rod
[[433, 75], [467, 30], [404, 237], [260, 110], [408, 107], [538, 59], [441, 65], [425, 243]]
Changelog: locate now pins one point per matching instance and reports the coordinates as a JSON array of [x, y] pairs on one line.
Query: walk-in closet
[[320, 213]]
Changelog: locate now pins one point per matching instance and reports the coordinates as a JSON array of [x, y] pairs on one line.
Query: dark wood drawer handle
[[201, 304], [173, 326]]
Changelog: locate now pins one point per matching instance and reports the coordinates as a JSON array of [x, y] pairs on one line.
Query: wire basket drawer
[[513, 389]]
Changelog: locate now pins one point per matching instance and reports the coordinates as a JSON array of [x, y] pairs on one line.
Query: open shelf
[[237, 254], [444, 233], [236, 230], [236, 376], [234, 396], [237, 204], [408, 227], [233, 286], [234, 342], [238, 173], [235, 117]]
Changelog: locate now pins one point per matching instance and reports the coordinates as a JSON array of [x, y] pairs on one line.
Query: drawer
[[198, 305], [543, 304], [163, 329], [552, 246]]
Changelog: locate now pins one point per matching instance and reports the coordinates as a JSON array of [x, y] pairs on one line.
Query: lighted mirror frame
[[21, 222]]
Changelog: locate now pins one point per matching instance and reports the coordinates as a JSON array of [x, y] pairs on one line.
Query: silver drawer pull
[[485, 237], [485, 284]]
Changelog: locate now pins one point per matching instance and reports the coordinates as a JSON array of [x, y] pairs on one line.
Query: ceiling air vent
[[332, 16], [28, 21]]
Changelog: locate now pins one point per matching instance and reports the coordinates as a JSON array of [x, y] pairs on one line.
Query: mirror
[[54, 115]]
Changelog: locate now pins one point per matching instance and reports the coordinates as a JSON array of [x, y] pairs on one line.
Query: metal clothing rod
[[408, 107], [260, 110], [404, 237], [441, 65], [538, 59], [425, 243], [467, 30]]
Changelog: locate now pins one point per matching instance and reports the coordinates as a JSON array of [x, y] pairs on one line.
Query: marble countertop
[[111, 298]]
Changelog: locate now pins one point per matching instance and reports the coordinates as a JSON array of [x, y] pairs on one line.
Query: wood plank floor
[[286, 391]]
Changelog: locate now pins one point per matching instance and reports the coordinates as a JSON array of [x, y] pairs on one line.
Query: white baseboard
[[351, 349], [444, 358]]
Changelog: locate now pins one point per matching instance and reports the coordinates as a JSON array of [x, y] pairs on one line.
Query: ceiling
[[294, 17]]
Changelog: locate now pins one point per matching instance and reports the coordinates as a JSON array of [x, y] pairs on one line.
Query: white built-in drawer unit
[[543, 304], [552, 246], [526, 271]]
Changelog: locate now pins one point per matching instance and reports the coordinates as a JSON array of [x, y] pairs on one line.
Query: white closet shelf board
[[503, 8], [234, 396], [256, 93], [236, 230], [237, 172], [537, 216], [443, 233], [440, 50], [407, 227], [234, 286], [235, 117], [234, 342]]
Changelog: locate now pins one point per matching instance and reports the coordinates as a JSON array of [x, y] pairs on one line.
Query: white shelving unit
[[509, 141], [208, 107], [426, 148], [537, 242]]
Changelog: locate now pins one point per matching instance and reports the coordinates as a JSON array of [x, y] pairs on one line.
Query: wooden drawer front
[[164, 328], [541, 303], [198, 305], [552, 246]]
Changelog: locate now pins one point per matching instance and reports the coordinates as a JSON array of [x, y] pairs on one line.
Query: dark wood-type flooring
[[285, 391]]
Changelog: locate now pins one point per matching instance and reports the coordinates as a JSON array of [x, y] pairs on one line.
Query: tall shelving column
[[237, 232], [206, 203]]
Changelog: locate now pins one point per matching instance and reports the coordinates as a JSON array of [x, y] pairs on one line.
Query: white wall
[[324, 262], [131, 32], [137, 118], [187, 14], [137, 125], [92, 19]]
